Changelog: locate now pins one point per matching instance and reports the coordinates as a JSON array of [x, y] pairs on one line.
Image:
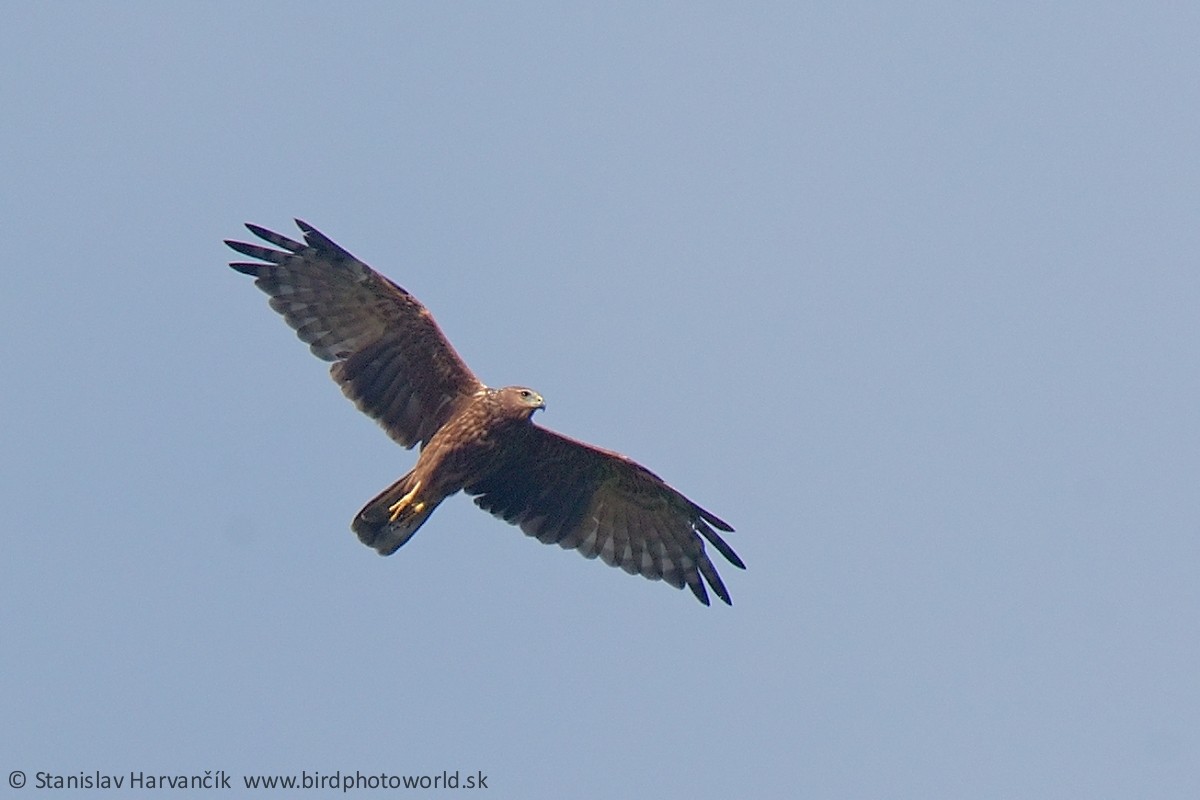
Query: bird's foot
[[405, 506]]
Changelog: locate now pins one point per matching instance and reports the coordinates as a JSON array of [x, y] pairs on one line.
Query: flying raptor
[[392, 360]]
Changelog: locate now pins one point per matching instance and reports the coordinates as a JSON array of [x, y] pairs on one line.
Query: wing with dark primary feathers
[[601, 503], [390, 357]]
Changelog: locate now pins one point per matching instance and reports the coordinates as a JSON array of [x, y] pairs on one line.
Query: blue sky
[[908, 294]]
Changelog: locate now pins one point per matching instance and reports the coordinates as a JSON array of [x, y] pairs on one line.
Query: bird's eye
[[525, 394]]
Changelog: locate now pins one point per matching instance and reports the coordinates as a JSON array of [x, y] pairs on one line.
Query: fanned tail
[[391, 519]]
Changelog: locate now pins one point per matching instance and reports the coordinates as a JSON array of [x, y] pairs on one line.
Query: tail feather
[[375, 526]]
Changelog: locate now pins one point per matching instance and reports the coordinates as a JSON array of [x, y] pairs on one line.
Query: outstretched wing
[[601, 503], [390, 357]]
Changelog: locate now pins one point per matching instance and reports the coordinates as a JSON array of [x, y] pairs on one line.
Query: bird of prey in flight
[[392, 360]]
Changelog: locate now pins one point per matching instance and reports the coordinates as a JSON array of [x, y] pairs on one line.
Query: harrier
[[392, 360]]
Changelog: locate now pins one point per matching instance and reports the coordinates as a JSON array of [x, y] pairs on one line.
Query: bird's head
[[521, 401]]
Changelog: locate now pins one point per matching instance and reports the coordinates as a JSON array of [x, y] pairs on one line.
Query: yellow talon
[[399, 506]]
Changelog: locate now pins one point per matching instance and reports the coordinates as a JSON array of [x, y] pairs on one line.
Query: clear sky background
[[908, 293]]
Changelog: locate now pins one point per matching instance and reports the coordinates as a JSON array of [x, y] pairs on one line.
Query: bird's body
[[468, 446], [393, 361]]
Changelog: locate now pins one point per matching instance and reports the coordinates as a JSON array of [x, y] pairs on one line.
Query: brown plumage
[[393, 361]]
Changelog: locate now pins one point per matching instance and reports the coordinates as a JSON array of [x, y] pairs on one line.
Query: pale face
[[521, 398]]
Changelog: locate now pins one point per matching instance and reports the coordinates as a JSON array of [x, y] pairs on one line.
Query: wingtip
[[716, 521], [245, 268], [720, 544], [719, 589], [265, 234], [722, 594]]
